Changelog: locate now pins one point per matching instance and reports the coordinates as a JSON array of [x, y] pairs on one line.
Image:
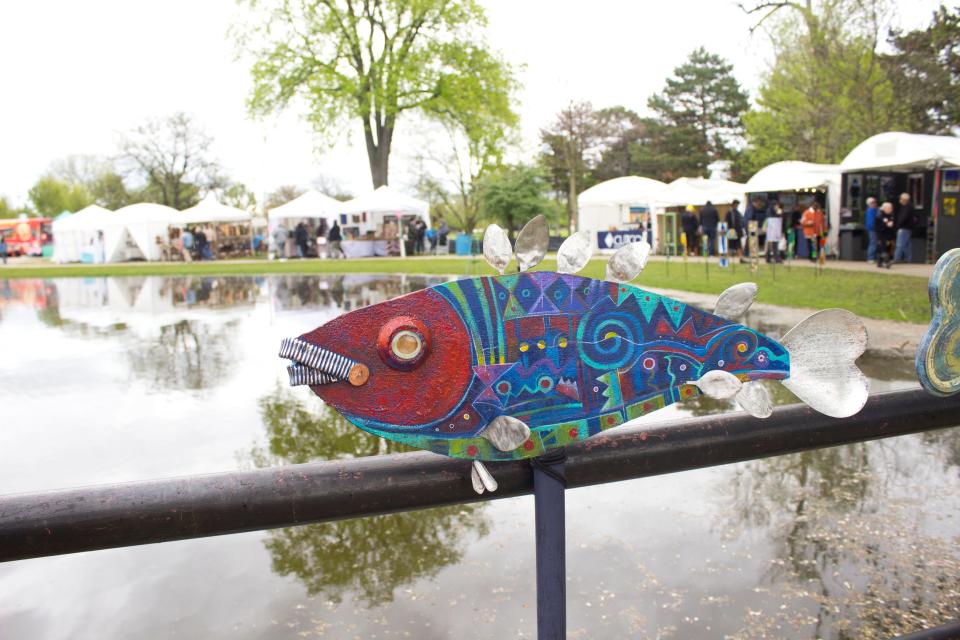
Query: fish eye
[[406, 345], [403, 343]]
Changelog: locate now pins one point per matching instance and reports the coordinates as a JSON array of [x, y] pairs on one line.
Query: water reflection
[[848, 560], [370, 557]]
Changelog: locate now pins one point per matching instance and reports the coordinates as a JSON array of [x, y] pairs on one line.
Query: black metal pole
[[549, 485], [949, 631]]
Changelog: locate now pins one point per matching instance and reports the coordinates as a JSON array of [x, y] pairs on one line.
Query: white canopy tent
[[311, 204], [607, 205], [895, 150], [145, 222], [793, 175], [79, 234], [384, 201], [697, 191], [210, 210]]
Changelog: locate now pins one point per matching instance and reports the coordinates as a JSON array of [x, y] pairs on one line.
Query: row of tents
[[883, 166], [140, 231]]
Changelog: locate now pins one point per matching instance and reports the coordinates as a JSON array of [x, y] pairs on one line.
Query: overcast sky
[[74, 75]]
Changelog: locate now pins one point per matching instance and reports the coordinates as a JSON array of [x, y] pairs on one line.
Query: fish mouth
[[315, 365]]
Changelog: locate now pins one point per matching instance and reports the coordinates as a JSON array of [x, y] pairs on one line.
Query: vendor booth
[[924, 166], [228, 229], [92, 235], [315, 210], [695, 192], [621, 210], [147, 226], [795, 185], [374, 223]]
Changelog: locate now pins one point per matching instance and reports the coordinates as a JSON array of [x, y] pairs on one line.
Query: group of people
[[308, 240], [889, 230], [775, 229], [194, 244], [423, 239]]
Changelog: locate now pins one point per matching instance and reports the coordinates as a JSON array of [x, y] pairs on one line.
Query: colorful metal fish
[[511, 366], [938, 355]]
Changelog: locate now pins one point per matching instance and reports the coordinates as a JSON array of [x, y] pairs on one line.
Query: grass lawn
[[873, 295]]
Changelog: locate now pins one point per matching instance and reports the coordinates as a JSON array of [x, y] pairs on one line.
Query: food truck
[[28, 236]]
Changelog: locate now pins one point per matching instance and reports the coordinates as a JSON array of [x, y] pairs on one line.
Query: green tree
[[110, 191], [98, 176], [925, 71], [51, 196], [374, 62], [620, 131], [7, 210], [282, 195], [570, 147], [236, 194], [827, 90], [512, 195], [171, 157], [701, 110]]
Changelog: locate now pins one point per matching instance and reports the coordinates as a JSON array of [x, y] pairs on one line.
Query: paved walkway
[[918, 270]]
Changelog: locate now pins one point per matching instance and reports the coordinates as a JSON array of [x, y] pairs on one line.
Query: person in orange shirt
[[814, 223]]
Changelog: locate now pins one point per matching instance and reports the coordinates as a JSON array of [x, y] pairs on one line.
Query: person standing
[[905, 222], [333, 241], [709, 219], [186, 245], [814, 227], [280, 240], [421, 235], [885, 230], [201, 238], [689, 223], [869, 222], [442, 232], [300, 236], [3, 248], [735, 229]]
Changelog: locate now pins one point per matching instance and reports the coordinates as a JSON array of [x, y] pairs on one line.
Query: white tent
[[697, 191], [385, 201], [145, 222], [311, 204], [79, 234], [607, 205], [895, 150], [793, 175], [210, 210]]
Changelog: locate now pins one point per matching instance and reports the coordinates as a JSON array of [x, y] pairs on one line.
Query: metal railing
[[100, 517]]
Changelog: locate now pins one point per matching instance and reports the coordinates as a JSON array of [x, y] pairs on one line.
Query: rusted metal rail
[[101, 517]]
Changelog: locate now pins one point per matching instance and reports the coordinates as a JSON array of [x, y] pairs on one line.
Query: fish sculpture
[[938, 354], [509, 367]]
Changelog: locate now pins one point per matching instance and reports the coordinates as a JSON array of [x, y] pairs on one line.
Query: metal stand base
[[549, 484]]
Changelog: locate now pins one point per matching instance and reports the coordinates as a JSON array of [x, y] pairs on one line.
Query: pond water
[[109, 380]]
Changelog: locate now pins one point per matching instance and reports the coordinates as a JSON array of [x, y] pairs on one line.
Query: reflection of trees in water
[[366, 557], [345, 292], [185, 355], [844, 544]]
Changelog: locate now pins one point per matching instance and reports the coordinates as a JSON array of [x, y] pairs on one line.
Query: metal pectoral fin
[[719, 384], [496, 248], [575, 252], [481, 478], [532, 242], [754, 398], [506, 433]]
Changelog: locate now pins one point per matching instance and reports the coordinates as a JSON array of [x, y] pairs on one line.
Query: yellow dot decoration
[[741, 347], [541, 344], [610, 334], [524, 346], [562, 342], [466, 416]]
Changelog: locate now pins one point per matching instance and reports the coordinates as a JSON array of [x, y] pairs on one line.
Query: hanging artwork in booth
[[951, 181], [512, 366], [938, 356], [949, 206]]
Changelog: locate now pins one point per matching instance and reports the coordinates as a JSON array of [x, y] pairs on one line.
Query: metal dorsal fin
[[506, 433], [629, 260], [496, 247], [575, 252], [532, 242], [735, 301]]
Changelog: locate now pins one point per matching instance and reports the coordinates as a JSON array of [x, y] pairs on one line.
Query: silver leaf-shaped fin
[[823, 351], [532, 242], [496, 247], [735, 301], [719, 384], [754, 398], [629, 260], [481, 478], [575, 252], [506, 433]]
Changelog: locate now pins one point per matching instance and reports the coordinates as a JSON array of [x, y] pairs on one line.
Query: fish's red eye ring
[[403, 343]]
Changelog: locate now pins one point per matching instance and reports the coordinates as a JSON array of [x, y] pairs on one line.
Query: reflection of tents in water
[[146, 304]]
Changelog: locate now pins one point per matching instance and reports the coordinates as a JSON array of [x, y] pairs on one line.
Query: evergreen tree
[[700, 110]]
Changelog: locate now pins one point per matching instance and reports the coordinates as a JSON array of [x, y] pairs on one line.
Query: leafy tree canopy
[[513, 195], [51, 197]]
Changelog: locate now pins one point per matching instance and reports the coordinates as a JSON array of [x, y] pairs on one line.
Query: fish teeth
[[308, 357]]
